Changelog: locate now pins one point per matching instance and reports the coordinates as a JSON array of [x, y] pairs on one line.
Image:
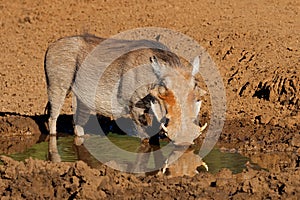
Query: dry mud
[[255, 45]]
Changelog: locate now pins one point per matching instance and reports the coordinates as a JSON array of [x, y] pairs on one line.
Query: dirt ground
[[255, 45]]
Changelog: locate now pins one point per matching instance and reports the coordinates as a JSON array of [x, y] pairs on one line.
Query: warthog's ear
[[158, 112], [156, 67], [195, 64]]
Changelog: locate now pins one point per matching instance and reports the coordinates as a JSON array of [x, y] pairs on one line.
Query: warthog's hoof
[[79, 140], [145, 141]]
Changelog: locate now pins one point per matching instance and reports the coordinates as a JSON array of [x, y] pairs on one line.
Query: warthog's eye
[[162, 90], [196, 121]]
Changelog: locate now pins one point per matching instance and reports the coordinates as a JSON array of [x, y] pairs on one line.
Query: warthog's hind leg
[[56, 101]]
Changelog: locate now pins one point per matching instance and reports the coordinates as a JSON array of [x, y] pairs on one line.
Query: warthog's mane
[[162, 52]]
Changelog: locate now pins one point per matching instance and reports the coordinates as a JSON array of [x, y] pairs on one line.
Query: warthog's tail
[[47, 115], [47, 109]]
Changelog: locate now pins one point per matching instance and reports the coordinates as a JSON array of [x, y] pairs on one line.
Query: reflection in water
[[217, 160], [276, 161], [173, 161], [53, 154], [142, 159], [63, 149], [183, 161]]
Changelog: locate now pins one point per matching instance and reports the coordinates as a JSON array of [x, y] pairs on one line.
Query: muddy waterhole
[[120, 149]]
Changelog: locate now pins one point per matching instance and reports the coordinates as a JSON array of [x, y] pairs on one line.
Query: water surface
[[216, 160]]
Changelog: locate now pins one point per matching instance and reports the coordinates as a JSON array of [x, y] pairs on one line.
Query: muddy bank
[[38, 179]]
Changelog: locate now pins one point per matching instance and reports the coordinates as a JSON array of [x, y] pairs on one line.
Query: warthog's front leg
[[141, 122], [81, 117]]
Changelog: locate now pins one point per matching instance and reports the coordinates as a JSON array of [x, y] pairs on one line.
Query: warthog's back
[[69, 62]]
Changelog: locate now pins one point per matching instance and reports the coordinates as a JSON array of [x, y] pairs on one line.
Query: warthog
[[145, 76]]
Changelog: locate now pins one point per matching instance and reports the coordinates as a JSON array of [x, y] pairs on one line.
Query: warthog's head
[[177, 101]]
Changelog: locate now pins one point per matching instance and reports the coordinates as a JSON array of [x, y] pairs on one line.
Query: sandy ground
[[255, 45]]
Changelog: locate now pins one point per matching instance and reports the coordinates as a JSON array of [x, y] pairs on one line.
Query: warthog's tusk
[[163, 127], [203, 127], [205, 166], [165, 167]]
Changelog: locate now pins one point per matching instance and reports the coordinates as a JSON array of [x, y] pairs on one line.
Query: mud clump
[[17, 133], [17, 125], [249, 135]]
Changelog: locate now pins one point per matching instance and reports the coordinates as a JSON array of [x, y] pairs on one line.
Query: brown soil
[[255, 45]]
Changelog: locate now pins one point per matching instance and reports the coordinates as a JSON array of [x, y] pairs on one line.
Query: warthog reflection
[[53, 154], [183, 161], [179, 162]]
